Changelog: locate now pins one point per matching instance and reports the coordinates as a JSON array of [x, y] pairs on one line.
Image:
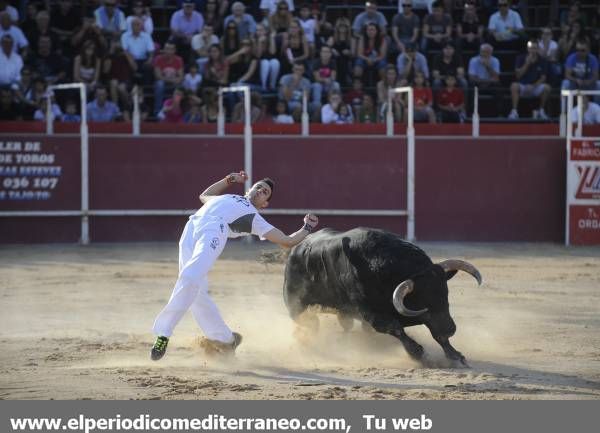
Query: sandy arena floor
[[76, 322]]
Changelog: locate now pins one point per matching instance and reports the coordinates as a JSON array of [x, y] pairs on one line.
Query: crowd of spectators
[[343, 60]]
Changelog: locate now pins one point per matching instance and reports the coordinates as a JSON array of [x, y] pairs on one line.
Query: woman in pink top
[[172, 110]]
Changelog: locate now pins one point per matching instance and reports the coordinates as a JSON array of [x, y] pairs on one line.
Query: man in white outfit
[[203, 239]]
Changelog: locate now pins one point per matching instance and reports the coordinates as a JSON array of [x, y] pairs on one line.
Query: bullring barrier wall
[[467, 189]]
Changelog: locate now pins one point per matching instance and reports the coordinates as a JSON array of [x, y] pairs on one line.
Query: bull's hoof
[[458, 360], [414, 350]]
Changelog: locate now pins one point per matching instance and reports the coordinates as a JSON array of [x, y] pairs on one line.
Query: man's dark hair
[[269, 182]]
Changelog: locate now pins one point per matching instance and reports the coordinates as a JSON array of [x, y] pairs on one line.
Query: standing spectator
[[110, 19], [89, 30], [265, 50], [282, 116], [185, 23], [246, 25], [437, 28], [591, 112], [47, 63], [200, 44], [451, 102], [280, 21], [505, 27], [291, 88], [409, 63], [448, 62], [370, 16], [140, 45], [271, 6], [64, 20], [192, 79], [309, 20], [168, 74], [423, 100], [101, 109], [324, 74], [581, 70], [9, 108], [172, 109], [86, 66], [20, 42], [142, 13], [11, 64], [390, 81], [405, 28], [216, 71], [469, 31], [119, 68], [294, 47], [372, 53]]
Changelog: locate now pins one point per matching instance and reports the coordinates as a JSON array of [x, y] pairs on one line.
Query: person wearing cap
[[222, 216], [370, 15]]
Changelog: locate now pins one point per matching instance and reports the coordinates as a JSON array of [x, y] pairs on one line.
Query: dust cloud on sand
[[76, 324]]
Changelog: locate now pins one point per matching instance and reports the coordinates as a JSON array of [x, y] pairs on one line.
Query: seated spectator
[[280, 20], [27, 23], [21, 92], [548, 50], [20, 42], [101, 109], [569, 37], [272, 6], [86, 66], [64, 20], [451, 102], [324, 74], [47, 63], [213, 14], [70, 115], [591, 112], [448, 62], [405, 28], [256, 110], [110, 19], [185, 23], [390, 81], [332, 112], [119, 68], [409, 63], [193, 114], [173, 108], [469, 31], [265, 50], [309, 20], [341, 46], [282, 116], [437, 28], [9, 108], [140, 45], [230, 42], [12, 12], [142, 13], [294, 48], [243, 67], [355, 96], [291, 88], [11, 64], [89, 30], [168, 74], [581, 70], [192, 79], [245, 23], [531, 72], [40, 113], [371, 54], [42, 28], [370, 16], [484, 69], [423, 98], [200, 44], [216, 71], [367, 112], [31, 99], [505, 27], [210, 109]]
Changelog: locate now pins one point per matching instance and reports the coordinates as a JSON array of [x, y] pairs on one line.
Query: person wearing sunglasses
[[506, 27], [581, 70]]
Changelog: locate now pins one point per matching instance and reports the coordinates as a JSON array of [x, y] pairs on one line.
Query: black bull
[[376, 277]]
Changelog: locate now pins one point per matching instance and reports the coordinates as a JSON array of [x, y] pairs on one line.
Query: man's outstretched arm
[[219, 187], [278, 237]]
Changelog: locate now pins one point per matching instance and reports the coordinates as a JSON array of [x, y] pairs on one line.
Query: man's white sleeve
[[260, 227]]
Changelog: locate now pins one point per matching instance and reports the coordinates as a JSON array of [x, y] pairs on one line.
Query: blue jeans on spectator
[[318, 89], [160, 87]]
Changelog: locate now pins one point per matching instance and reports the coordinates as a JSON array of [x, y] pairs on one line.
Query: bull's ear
[[450, 274]]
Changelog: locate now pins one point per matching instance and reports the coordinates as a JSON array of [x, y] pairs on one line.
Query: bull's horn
[[403, 289], [461, 265]]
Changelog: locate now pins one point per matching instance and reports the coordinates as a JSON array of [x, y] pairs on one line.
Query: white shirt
[[140, 47], [309, 29], [272, 5], [41, 115], [19, 39], [192, 83], [501, 24], [591, 115], [232, 215], [10, 70], [198, 41]]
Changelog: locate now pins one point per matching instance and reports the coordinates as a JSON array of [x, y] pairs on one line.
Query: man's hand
[[311, 220], [240, 177]]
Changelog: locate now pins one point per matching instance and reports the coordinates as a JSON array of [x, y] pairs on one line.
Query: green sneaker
[[159, 349]]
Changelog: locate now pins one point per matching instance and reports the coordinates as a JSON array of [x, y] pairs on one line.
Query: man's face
[[581, 50], [101, 96], [371, 8], [207, 30], [238, 10], [169, 49], [485, 53], [7, 45], [325, 53], [298, 70], [259, 194], [136, 25], [188, 8]]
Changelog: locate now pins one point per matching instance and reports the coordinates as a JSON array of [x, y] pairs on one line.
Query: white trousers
[[199, 247]]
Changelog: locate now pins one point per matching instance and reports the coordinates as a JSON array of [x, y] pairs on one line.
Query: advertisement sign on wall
[[583, 192]]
